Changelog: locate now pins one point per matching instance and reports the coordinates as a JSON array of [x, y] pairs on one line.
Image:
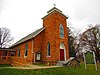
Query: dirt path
[[32, 67]]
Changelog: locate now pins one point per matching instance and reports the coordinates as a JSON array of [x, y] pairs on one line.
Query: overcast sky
[[23, 17]]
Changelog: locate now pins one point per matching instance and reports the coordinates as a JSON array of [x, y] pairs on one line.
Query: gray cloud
[[3, 3], [87, 9]]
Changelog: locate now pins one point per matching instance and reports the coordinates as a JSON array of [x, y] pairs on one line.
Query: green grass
[[53, 71], [5, 65]]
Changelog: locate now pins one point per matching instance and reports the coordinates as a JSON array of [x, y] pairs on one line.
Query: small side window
[[26, 50], [18, 52], [48, 49]]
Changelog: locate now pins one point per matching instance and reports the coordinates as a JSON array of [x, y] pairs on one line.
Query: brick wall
[[22, 59], [52, 35], [37, 44]]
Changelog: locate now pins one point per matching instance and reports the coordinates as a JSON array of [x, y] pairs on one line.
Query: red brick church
[[48, 44]]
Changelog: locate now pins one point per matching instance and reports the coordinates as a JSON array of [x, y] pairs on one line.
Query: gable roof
[[28, 37], [54, 9]]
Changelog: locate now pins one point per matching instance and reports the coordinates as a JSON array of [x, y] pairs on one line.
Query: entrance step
[[61, 63]]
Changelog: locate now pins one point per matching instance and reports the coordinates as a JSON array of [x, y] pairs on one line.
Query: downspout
[[33, 50]]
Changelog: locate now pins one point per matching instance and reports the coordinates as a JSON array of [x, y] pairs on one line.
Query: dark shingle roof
[[30, 36], [54, 8]]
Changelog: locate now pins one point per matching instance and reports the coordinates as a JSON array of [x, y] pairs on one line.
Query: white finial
[[54, 5]]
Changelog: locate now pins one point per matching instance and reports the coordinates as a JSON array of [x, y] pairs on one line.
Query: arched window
[[26, 49], [18, 52], [61, 31], [48, 49]]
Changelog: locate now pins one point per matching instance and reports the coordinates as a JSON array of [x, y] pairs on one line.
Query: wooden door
[[61, 54]]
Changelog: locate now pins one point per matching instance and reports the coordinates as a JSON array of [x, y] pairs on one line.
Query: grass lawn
[[6, 65], [53, 71]]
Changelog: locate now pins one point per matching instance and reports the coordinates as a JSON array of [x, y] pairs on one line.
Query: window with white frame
[[61, 31], [48, 49], [26, 49], [18, 52]]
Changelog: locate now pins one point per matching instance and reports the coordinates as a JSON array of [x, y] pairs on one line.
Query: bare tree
[[5, 37], [90, 40], [71, 39]]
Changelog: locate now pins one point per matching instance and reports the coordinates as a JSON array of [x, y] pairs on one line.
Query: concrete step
[[68, 60], [61, 63]]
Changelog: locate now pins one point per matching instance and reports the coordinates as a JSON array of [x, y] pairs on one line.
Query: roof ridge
[[29, 36]]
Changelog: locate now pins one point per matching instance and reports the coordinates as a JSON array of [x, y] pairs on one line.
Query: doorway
[[62, 52]]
